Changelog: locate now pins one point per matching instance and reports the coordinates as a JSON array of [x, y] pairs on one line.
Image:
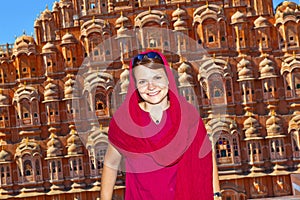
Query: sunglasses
[[139, 57]]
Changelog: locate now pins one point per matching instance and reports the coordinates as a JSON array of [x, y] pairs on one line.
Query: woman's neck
[[163, 105]]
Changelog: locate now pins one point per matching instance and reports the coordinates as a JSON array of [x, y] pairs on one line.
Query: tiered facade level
[[53, 131]]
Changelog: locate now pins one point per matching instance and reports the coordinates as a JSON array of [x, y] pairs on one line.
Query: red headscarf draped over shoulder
[[182, 139]]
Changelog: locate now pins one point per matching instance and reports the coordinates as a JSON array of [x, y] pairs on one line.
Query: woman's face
[[152, 84]]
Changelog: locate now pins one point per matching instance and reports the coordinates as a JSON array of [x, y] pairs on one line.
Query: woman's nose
[[151, 85]]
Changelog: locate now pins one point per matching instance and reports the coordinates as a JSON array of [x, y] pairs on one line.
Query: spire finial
[[26, 141], [149, 9], [294, 54]]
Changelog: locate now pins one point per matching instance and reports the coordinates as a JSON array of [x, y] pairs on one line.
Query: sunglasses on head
[[140, 57]]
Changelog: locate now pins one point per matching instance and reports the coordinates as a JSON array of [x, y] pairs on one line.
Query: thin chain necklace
[[156, 113]]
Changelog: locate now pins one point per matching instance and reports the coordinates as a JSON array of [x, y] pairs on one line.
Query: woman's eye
[[141, 82], [157, 77]]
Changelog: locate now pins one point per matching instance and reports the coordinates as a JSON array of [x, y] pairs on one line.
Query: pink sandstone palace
[[237, 61]]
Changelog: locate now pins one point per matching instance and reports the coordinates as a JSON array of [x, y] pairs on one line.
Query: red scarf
[[183, 141]]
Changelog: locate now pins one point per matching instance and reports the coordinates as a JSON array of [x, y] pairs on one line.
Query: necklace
[[154, 118]]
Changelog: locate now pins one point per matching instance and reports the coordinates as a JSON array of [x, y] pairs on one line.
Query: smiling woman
[[18, 18], [160, 136]]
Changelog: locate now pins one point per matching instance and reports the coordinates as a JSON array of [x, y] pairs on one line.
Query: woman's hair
[[151, 60]]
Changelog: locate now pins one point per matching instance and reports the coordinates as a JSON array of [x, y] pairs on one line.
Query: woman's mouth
[[153, 93]]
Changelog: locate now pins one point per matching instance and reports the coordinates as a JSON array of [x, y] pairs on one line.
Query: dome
[[72, 149], [250, 132], [24, 44], [285, 9], [251, 127], [68, 38], [51, 91], [266, 69], [74, 143], [184, 67], [237, 17], [272, 120], [49, 48], [5, 156], [55, 7], [4, 99], [36, 23], [121, 20], [245, 73], [46, 15], [185, 79], [243, 63], [261, 22], [180, 24], [274, 126], [124, 79], [70, 87], [251, 122], [179, 12]]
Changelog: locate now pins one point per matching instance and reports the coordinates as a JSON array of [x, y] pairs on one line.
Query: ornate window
[[295, 144], [55, 169], [277, 150], [254, 151], [4, 119], [247, 91], [291, 35], [224, 151], [216, 88], [76, 167], [97, 158], [5, 170]]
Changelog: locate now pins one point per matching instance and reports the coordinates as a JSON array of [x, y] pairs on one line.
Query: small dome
[[238, 17], [70, 89], [36, 23], [251, 122], [266, 68], [245, 73], [24, 44], [185, 79], [4, 100], [272, 120], [261, 22], [5, 156], [68, 38], [49, 48], [274, 125], [55, 7], [121, 20], [124, 79], [179, 12], [46, 15], [184, 67], [51, 91], [251, 127], [180, 24], [243, 63], [251, 132]]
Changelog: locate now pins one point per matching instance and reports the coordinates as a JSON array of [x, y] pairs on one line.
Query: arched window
[[223, 150], [27, 168]]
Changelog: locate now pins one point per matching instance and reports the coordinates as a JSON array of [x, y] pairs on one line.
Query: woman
[[161, 138]]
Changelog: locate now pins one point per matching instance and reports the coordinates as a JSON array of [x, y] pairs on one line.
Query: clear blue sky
[[17, 16]]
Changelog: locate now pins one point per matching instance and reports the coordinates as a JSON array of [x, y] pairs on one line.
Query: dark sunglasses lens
[[140, 56], [152, 55]]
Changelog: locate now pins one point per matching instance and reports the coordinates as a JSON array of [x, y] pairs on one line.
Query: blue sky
[[17, 16]]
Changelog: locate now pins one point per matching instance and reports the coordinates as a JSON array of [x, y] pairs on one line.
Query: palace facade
[[237, 61]]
